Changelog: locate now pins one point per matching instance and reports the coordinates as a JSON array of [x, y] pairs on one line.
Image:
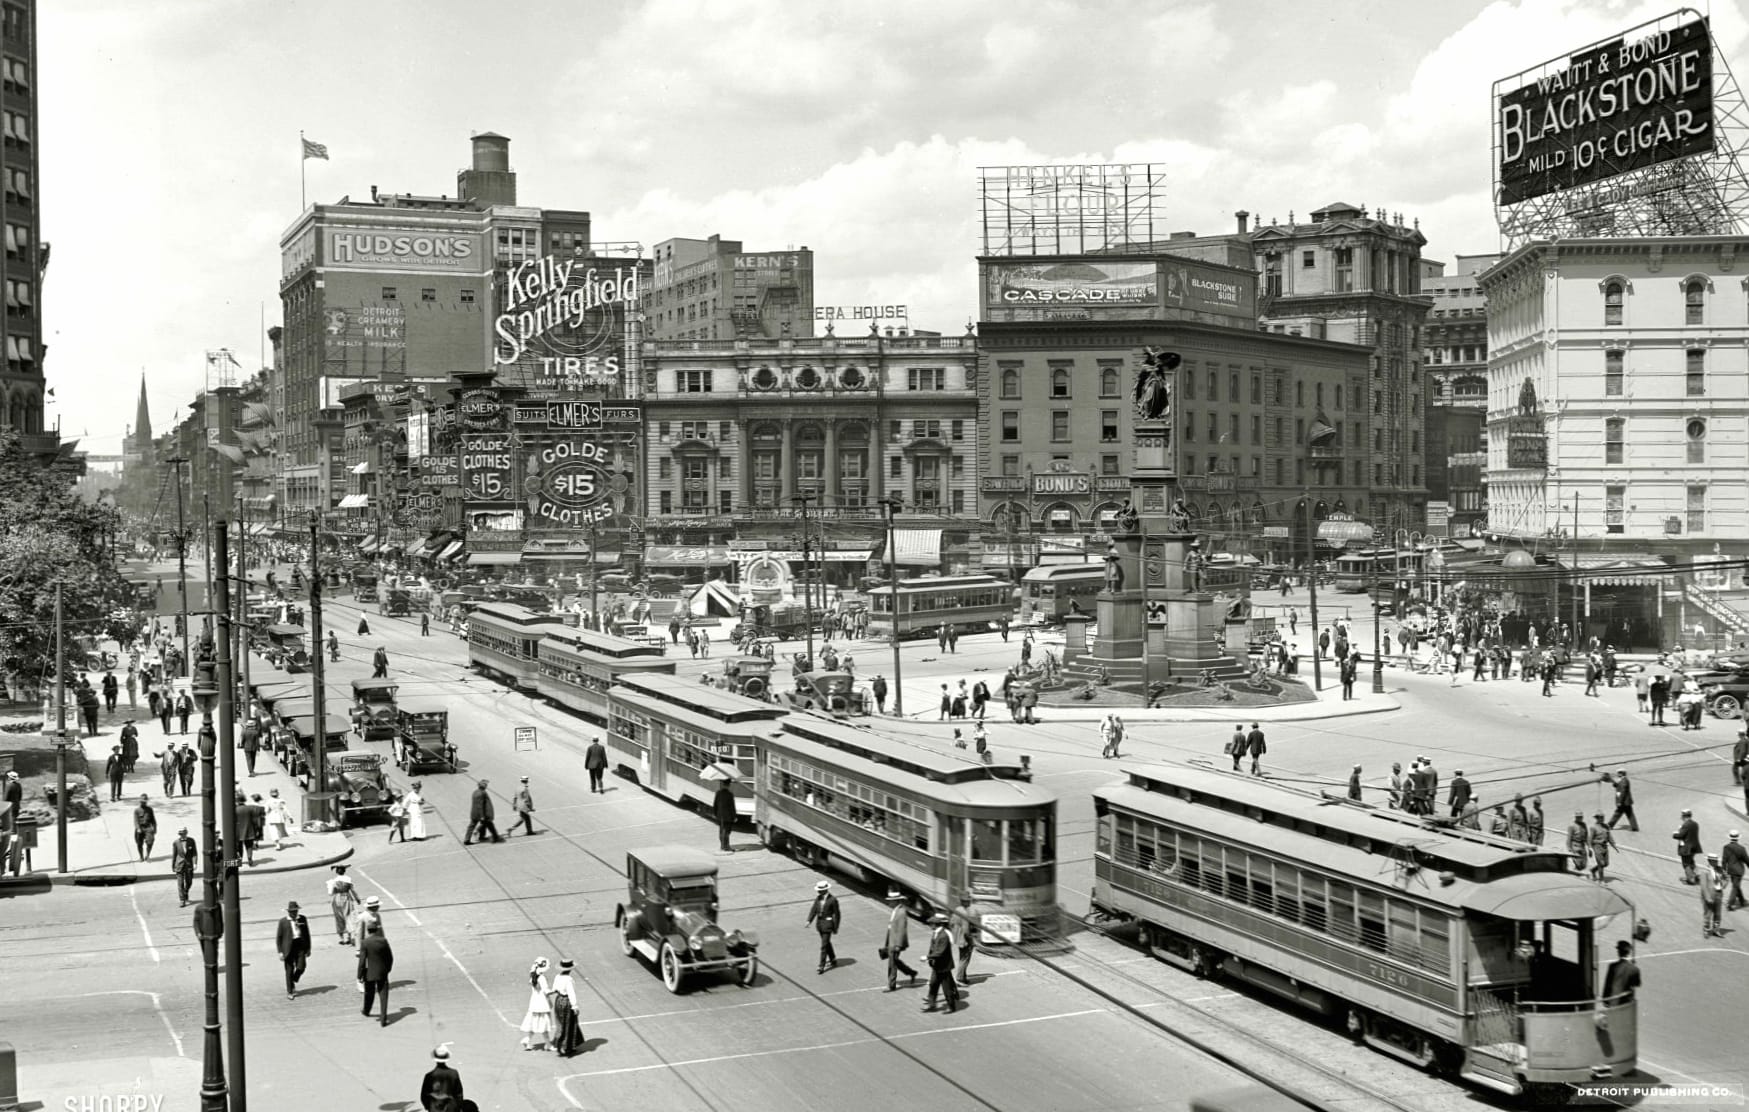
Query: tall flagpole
[[302, 202]]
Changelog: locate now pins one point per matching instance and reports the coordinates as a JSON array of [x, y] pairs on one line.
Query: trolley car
[[1359, 571], [933, 824], [503, 642], [667, 733], [577, 666], [1467, 952], [967, 603], [1047, 593]]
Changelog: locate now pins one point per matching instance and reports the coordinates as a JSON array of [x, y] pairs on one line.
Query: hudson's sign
[[413, 250]]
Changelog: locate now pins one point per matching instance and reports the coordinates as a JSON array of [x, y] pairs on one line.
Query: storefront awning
[[1614, 569], [354, 502], [450, 550], [422, 548], [580, 554], [367, 545], [494, 559], [917, 546], [258, 528], [685, 555], [1338, 534], [361, 468]]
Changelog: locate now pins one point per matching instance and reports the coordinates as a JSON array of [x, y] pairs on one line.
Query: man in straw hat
[[898, 937], [184, 854], [1712, 896], [294, 947], [1736, 861], [567, 1030], [824, 917], [441, 1091], [941, 966]]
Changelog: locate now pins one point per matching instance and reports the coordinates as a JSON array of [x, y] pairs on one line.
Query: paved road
[[112, 977]]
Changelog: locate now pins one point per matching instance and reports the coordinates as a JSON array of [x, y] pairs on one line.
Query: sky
[[168, 135]]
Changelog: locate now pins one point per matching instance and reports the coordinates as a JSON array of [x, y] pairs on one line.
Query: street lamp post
[[227, 746], [802, 500], [181, 555], [318, 671], [1378, 662], [209, 920], [891, 505], [1312, 592]]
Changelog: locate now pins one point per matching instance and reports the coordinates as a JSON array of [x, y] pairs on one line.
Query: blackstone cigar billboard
[[1609, 109]]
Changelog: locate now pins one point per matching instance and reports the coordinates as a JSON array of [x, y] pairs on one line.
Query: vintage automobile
[[1726, 692], [422, 740], [286, 648], [397, 602], [749, 676], [373, 708], [297, 736], [833, 693], [670, 918], [361, 789], [364, 586]]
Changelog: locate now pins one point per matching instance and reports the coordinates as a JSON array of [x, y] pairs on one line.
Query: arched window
[[1108, 382], [1694, 300], [1696, 430], [1010, 383], [1613, 291], [1060, 382]]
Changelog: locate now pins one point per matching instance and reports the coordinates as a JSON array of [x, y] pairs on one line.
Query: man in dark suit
[[1460, 794], [114, 768], [251, 824], [441, 1091], [184, 855], [1688, 845], [480, 816], [1256, 747], [186, 759], [378, 960], [941, 959], [723, 807], [294, 947], [595, 760], [824, 917]]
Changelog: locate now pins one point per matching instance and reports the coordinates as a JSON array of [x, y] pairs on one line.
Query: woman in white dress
[[279, 820], [413, 805], [537, 1022]]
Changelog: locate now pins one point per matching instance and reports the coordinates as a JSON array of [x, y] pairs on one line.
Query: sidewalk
[[100, 851]]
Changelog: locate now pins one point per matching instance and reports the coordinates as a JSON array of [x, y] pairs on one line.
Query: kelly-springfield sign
[[547, 301], [1615, 107]]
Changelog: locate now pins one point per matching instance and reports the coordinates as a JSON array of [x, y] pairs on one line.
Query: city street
[[110, 978]]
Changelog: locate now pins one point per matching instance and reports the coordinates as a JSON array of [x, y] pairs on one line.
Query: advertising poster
[[1080, 287], [562, 320]]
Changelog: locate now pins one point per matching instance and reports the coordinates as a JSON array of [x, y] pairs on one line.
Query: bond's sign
[[1612, 108]]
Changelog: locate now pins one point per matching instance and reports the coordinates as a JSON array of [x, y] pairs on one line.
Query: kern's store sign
[[349, 248]]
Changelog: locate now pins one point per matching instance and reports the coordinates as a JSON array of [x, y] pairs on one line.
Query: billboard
[[1611, 108], [399, 248], [488, 470], [564, 319], [1208, 289], [1090, 286]]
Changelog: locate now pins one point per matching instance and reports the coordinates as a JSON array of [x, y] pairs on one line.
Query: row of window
[[17, 127], [889, 816], [1411, 934], [427, 293], [485, 637], [941, 601], [17, 184], [1615, 431], [1061, 379], [1615, 498], [1694, 300], [1467, 353], [917, 379], [1694, 373]]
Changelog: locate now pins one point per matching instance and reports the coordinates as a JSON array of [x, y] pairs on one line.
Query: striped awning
[[917, 546], [1615, 569], [354, 502], [450, 550], [367, 545], [494, 559]]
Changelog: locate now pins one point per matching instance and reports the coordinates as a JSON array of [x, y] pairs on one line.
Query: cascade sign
[[1614, 108], [544, 297]]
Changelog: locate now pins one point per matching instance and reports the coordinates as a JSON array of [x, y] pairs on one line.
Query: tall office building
[[22, 386], [711, 289]]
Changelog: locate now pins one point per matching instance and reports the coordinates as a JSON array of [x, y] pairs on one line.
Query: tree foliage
[[49, 536]]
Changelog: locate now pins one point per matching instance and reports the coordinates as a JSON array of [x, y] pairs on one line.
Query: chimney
[[373, 194], [1181, 235], [1244, 219]]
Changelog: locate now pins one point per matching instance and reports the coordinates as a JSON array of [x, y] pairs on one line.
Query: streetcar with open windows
[[577, 666], [963, 603], [933, 825], [504, 642], [679, 739], [1467, 952], [1049, 594]]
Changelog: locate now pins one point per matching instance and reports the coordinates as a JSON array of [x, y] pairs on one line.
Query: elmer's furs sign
[[546, 295]]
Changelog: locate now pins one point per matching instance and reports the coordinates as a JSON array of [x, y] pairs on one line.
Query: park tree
[[50, 536]]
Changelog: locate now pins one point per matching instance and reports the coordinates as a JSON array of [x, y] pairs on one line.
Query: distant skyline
[[169, 146]]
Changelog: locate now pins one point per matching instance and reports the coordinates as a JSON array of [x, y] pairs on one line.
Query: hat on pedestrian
[[1687, 811], [273, 792], [539, 966], [1733, 835], [291, 905], [441, 1055], [938, 920], [1598, 816], [12, 775], [525, 779], [184, 830], [895, 896], [1580, 815], [1622, 946], [338, 868], [566, 965], [372, 901], [1712, 857], [822, 886]]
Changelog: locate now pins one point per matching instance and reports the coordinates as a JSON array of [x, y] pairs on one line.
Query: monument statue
[[1153, 390], [1178, 517], [1113, 569], [1127, 518]]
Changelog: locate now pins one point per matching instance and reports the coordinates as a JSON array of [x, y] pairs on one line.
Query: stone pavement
[[101, 850]]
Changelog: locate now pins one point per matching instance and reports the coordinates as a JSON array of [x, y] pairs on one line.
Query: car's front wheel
[[672, 972], [625, 934], [749, 973], [1727, 706]]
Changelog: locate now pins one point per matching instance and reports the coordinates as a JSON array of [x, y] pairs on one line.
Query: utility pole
[[182, 559], [807, 587], [594, 618], [891, 505], [318, 671], [206, 532], [233, 935], [60, 737], [1312, 587]]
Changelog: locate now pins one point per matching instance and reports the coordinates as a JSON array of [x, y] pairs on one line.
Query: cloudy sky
[[169, 134]]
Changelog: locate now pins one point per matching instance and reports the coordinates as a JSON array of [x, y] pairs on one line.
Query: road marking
[[157, 1005], [1186, 1000], [1696, 950], [151, 949], [484, 995], [751, 1054], [777, 1000]]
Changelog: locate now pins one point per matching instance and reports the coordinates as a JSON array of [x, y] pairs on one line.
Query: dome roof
[[1518, 558]]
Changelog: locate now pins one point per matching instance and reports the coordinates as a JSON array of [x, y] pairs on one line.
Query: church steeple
[[142, 434]]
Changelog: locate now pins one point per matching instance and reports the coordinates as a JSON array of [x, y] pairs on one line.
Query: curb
[[112, 880]]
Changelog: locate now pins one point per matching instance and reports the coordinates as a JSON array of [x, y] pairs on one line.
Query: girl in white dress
[[537, 1023], [279, 820], [413, 804]]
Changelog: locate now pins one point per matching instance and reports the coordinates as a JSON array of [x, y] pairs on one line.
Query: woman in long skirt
[[278, 820], [344, 901], [413, 805], [537, 1022]]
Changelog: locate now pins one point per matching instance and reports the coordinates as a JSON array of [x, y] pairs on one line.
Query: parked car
[[1726, 693], [373, 708], [669, 918], [359, 783], [422, 741], [833, 693]]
